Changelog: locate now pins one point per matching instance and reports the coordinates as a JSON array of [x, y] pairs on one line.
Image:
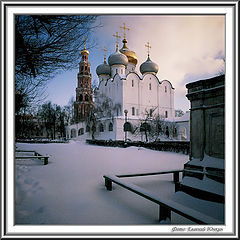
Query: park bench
[[166, 206], [35, 156]]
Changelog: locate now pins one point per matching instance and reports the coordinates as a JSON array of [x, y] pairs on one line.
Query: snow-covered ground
[[70, 189]]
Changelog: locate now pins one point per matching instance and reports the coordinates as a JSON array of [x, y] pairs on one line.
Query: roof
[[184, 118]]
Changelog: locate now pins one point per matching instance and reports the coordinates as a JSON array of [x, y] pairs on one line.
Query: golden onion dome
[[132, 57], [84, 51]]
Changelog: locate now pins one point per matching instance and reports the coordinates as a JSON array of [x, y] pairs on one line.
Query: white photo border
[[229, 9]]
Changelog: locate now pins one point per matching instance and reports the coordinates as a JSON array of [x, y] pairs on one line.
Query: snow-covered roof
[[184, 118]]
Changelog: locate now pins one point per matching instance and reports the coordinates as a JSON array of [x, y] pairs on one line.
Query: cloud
[[186, 48]]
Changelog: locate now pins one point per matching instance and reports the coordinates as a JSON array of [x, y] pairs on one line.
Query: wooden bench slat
[[25, 157], [37, 156], [148, 174], [184, 211]]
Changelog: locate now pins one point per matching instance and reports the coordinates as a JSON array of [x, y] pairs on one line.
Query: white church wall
[[106, 133], [131, 94], [79, 130], [166, 99], [117, 94], [120, 134], [149, 93], [130, 68], [118, 69]]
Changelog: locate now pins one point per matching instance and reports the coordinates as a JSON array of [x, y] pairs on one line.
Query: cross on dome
[[84, 42], [124, 29], [117, 37], [148, 47], [105, 52], [84, 50]]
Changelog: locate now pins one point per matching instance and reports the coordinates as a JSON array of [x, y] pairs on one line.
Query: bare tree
[[179, 113], [104, 109], [45, 45], [145, 125]]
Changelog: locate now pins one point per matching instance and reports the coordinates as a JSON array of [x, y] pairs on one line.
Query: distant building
[[183, 126], [84, 93]]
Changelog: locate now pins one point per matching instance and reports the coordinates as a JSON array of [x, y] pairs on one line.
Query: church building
[[125, 101]]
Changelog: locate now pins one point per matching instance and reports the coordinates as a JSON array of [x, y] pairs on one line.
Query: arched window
[[150, 86], [101, 128], [80, 131], [87, 128], [167, 131], [183, 133], [165, 88], [175, 132], [86, 97], [133, 111], [80, 97], [110, 127], [127, 127], [132, 83], [73, 133], [166, 114]]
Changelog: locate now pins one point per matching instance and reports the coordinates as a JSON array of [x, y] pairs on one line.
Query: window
[[116, 70], [101, 128], [86, 97], [127, 127], [151, 112], [110, 127], [80, 131], [87, 128], [165, 88], [73, 133], [121, 71], [166, 114], [133, 111], [80, 97], [132, 83], [167, 131], [150, 86], [175, 132]]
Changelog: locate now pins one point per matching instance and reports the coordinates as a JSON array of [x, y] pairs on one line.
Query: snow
[[212, 209], [206, 184], [71, 190], [209, 161]]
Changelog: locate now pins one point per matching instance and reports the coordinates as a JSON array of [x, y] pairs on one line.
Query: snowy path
[[70, 189]]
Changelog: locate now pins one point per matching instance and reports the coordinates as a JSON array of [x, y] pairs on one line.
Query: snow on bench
[[165, 205], [35, 156]]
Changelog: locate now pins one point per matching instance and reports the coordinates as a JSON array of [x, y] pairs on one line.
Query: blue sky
[[186, 48]]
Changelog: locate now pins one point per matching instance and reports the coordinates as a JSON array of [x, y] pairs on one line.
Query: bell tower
[[84, 93]]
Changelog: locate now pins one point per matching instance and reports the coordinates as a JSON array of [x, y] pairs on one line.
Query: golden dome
[[84, 51], [132, 57]]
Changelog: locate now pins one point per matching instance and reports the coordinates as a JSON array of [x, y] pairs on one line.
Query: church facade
[[126, 102]]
